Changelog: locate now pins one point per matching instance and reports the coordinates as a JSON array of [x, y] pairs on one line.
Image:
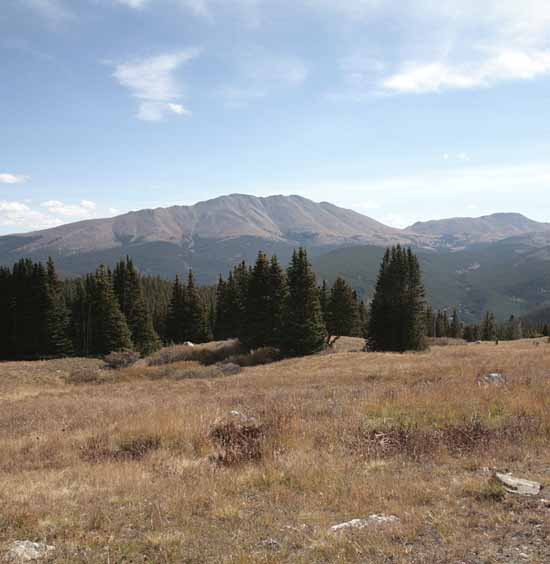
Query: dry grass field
[[130, 468]]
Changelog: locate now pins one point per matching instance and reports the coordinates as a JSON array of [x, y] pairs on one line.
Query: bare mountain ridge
[[275, 218], [463, 231], [213, 235]]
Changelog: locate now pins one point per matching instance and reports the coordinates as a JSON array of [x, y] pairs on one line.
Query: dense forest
[[263, 305]]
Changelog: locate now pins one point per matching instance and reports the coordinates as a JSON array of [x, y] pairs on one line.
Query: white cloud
[[7, 178], [133, 3], [85, 210], [154, 83], [18, 215], [493, 67], [54, 11]]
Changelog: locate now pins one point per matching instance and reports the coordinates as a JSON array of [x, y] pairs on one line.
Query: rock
[[271, 544], [229, 368], [493, 378], [545, 503], [28, 551], [188, 344], [363, 523], [518, 485]]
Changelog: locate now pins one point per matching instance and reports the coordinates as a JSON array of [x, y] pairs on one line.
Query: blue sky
[[403, 110]]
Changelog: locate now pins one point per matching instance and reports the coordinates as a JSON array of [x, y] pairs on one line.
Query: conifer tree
[[488, 328], [342, 310], [129, 291], [456, 326], [196, 323], [278, 290], [363, 321], [109, 329], [257, 325], [176, 322], [57, 316], [397, 312], [304, 328], [324, 297]]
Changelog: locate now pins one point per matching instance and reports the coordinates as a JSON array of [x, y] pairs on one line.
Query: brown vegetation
[[147, 466]]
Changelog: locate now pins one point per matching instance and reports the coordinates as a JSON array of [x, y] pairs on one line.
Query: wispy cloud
[[84, 210], [55, 12], [8, 178], [154, 83], [133, 3], [493, 67]]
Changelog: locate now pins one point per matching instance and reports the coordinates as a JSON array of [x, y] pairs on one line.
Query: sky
[[404, 110]]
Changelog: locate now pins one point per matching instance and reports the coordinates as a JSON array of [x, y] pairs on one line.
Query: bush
[[239, 438], [207, 354], [258, 357], [123, 359], [188, 371], [84, 376]]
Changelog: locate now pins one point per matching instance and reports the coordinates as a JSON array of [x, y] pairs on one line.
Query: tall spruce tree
[[256, 331], [129, 292], [488, 328], [278, 290], [195, 313], [342, 318], [176, 322], [57, 316], [304, 328], [456, 326], [397, 312], [109, 330]]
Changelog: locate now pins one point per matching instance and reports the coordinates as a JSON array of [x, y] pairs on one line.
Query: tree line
[[263, 305]]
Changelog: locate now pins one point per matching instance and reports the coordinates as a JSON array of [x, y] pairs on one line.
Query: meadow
[[139, 464]]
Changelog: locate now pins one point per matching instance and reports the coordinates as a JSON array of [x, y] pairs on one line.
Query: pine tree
[[342, 310], [456, 326], [57, 316], [304, 328], [324, 297], [109, 330], [176, 322], [195, 314], [488, 327], [257, 326], [397, 312], [129, 291], [363, 321], [278, 290]]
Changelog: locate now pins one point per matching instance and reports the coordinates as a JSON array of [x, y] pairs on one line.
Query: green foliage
[[342, 311], [397, 312], [304, 328]]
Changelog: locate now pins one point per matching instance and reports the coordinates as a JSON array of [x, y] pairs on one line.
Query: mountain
[[463, 231], [499, 262], [508, 277], [209, 236]]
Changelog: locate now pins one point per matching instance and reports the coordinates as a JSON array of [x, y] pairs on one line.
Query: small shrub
[[258, 357], [123, 359], [196, 372], [101, 448], [240, 439], [207, 354], [84, 376], [229, 368]]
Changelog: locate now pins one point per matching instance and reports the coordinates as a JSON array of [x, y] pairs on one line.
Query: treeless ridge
[[126, 470]]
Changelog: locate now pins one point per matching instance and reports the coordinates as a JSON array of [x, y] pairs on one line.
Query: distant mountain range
[[500, 261]]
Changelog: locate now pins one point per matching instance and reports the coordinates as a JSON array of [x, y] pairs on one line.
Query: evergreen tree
[[109, 330], [129, 292], [397, 313], [304, 329], [195, 313], [488, 327], [456, 326], [278, 292], [324, 297], [176, 322], [363, 321], [342, 310], [257, 326], [57, 316]]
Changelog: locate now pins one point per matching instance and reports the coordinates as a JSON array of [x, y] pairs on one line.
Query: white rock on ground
[[518, 485], [363, 523], [28, 551]]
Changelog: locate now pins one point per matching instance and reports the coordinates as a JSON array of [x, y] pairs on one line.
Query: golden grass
[[120, 471]]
